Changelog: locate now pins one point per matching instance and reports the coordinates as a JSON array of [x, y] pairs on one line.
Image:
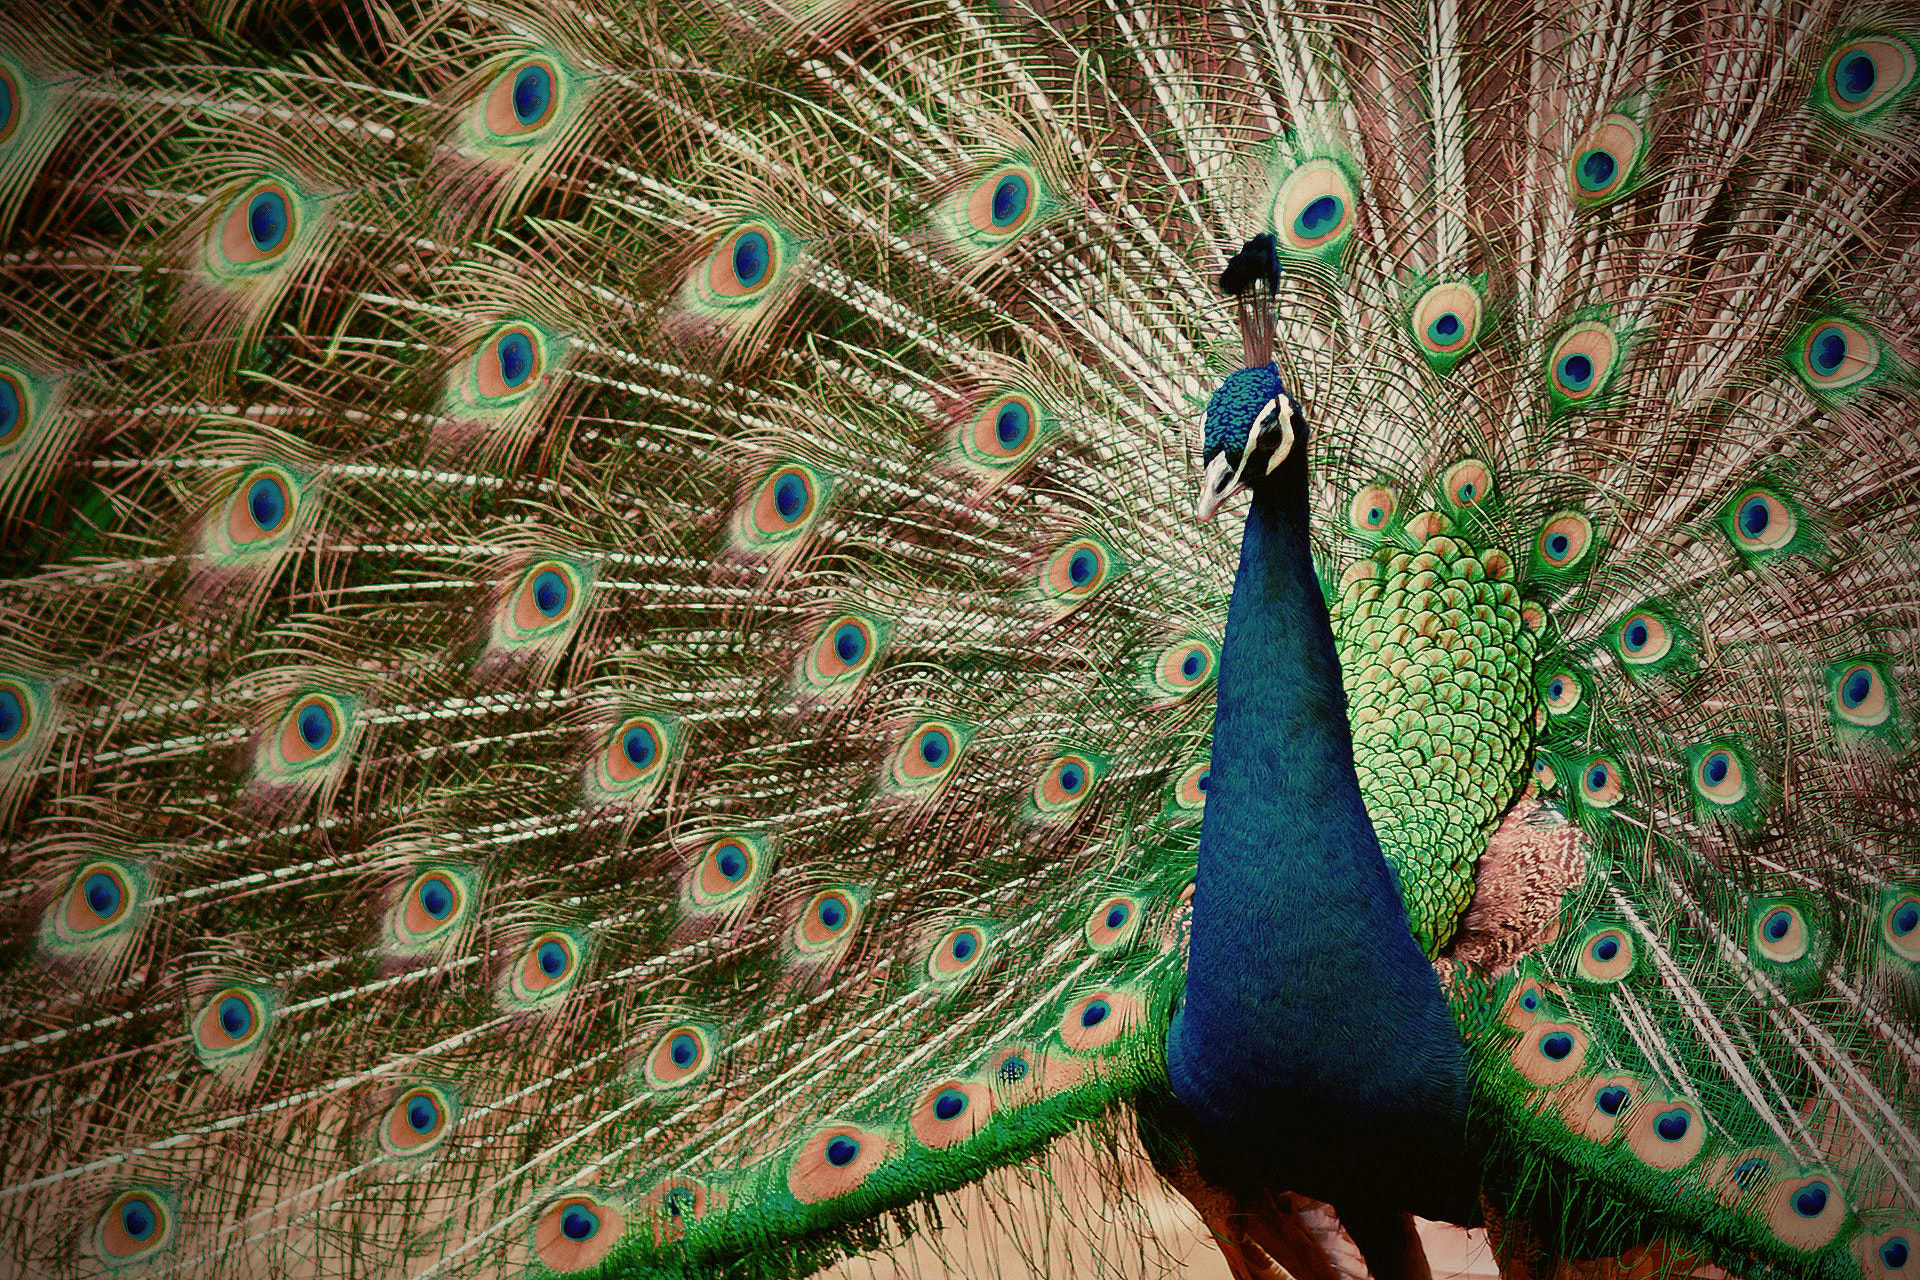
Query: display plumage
[[607, 663]]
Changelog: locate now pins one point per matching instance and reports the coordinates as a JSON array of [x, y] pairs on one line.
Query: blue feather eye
[[1612, 1100], [783, 507], [577, 1232], [999, 207], [15, 410], [927, 756], [230, 1026], [1834, 355], [633, 763], [1604, 159], [1066, 783], [506, 366], [532, 95], [1446, 322], [14, 714], [547, 969], [1077, 571], [681, 1055], [950, 1112], [522, 101], [314, 733], [1864, 75], [1581, 363], [1098, 1019], [1643, 639], [744, 265], [258, 228], [826, 922], [834, 1162], [1003, 432], [956, 954], [1780, 933], [1860, 695], [1602, 784], [417, 1121], [1313, 211], [1372, 509], [1564, 541], [9, 103], [261, 509], [136, 1224], [1113, 923], [267, 503]]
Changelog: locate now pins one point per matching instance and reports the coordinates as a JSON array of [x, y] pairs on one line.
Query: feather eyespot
[[1313, 212], [1581, 363], [844, 651], [1190, 788], [547, 969], [1543, 775], [1113, 923], [433, 904], [231, 1024], [1561, 692], [1526, 1004], [1805, 1212], [258, 228], [1596, 1109], [1077, 570], [262, 508], [1446, 321], [1096, 1021], [577, 1232], [1863, 75], [927, 755], [1602, 784], [16, 713], [546, 599], [16, 406], [680, 1057], [1606, 956], [11, 103], [744, 265], [1835, 355], [1604, 159], [136, 1224], [1719, 777], [957, 954], [834, 1162], [1002, 204], [827, 922], [1860, 693], [727, 872], [951, 1112], [418, 1121], [675, 1205], [1467, 483], [1564, 541], [1759, 521], [508, 363], [1550, 1053], [1666, 1135], [1065, 784], [1182, 667], [312, 729], [1888, 1253], [1004, 431], [1643, 639], [783, 507], [1371, 509], [1900, 923], [101, 899], [523, 100], [633, 761], [1780, 933]]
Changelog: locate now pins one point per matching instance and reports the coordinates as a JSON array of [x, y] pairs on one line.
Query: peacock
[[624, 652]]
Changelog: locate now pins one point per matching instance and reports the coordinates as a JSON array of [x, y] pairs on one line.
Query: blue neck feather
[[1313, 1050]]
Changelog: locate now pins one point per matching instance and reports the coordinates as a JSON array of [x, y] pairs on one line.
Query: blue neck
[[1313, 1028]]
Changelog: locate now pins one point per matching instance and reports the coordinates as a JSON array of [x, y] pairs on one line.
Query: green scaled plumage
[[606, 663]]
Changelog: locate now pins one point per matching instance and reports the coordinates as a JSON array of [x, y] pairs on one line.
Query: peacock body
[[607, 664]]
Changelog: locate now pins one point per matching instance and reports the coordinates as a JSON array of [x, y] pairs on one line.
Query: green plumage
[[602, 607]]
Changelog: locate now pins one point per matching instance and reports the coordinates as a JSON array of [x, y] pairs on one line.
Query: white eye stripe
[[1265, 416]]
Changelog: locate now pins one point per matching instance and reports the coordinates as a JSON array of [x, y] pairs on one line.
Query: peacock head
[[1253, 426]]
